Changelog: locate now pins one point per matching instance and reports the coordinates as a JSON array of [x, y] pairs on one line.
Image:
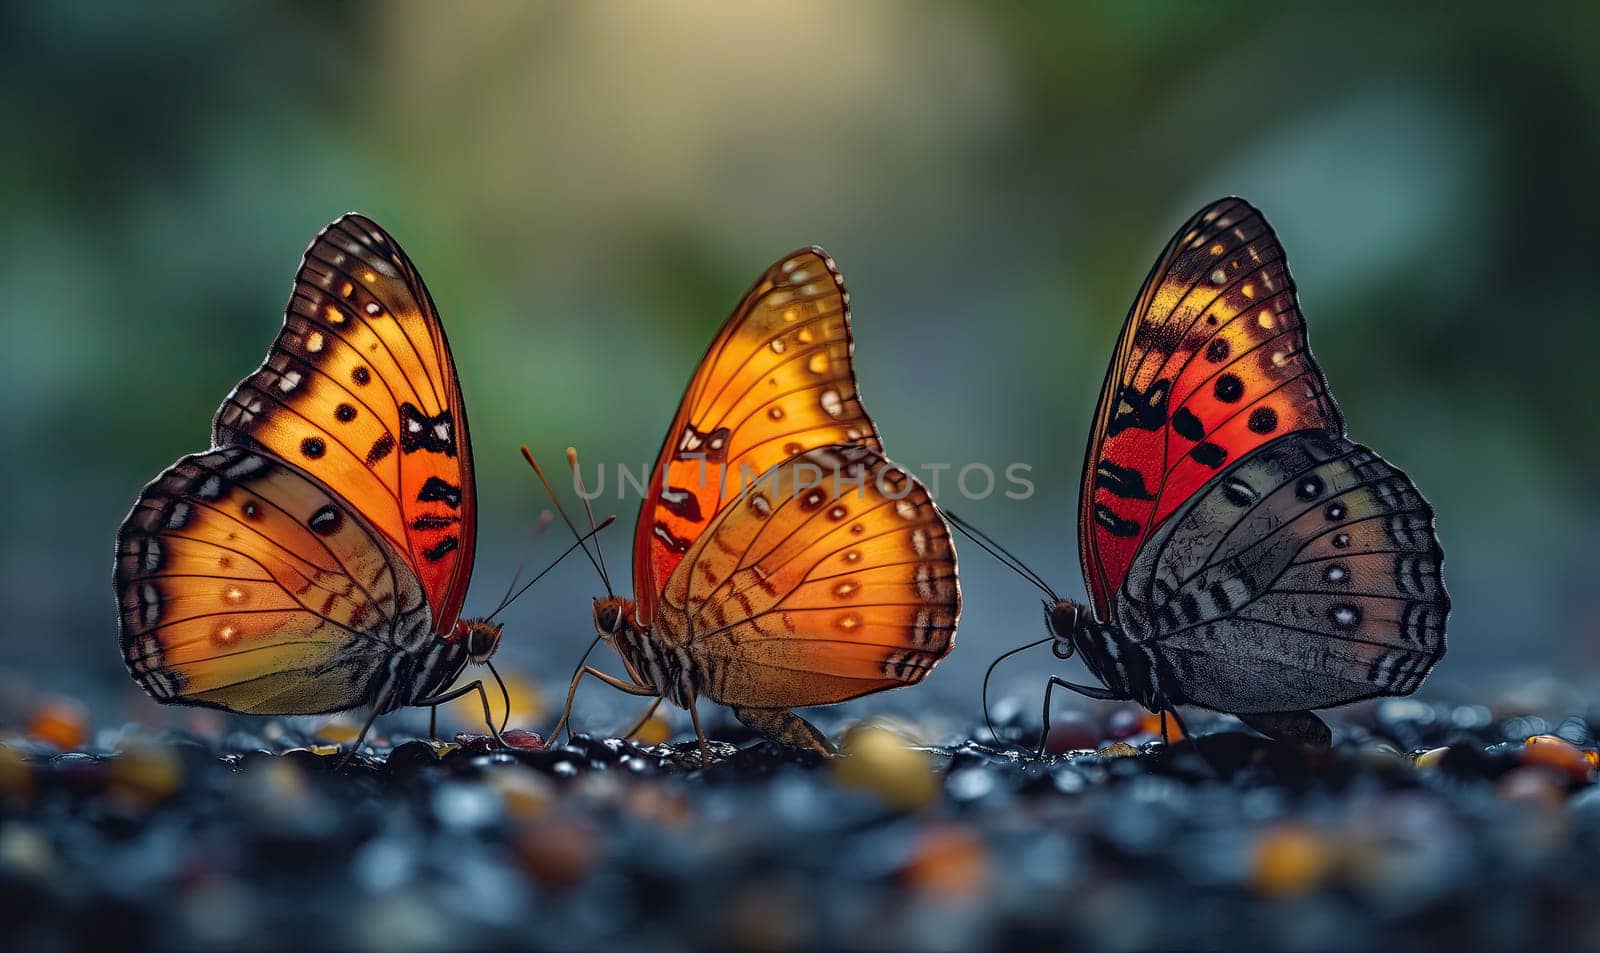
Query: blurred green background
[[588, 188]]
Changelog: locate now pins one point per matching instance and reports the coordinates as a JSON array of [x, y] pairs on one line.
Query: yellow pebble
[[527, 704], [1428, 760], [882, 762], [338, 731], [16, 781], [528, 796], [1291, 861], [144, 775], [655, 731], [1118, 749]]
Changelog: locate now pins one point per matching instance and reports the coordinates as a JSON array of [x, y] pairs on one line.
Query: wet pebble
[[1114, 840]]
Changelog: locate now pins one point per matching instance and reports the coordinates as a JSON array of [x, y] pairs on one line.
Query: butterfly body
[[780, 559], [315, 560], [1241, 553]]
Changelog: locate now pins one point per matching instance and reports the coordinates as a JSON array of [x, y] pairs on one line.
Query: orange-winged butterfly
[[316, 558], [780, 560], [1242, 554]]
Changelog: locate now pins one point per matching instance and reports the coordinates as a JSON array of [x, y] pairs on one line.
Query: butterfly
[[315, 559], [780, 560], [1241, 553]]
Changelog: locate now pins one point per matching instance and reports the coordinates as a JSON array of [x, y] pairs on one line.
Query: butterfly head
[[480, 637], [1065, 621], [613, 617]]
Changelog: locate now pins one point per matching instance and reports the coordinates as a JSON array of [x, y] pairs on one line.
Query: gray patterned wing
[[1306, 575]]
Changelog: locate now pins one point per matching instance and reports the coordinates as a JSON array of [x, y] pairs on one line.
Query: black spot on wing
[[1146, 410], [441, 549], [681, 503], [381, 447], [418, 431], [1209, 454], [1188, 425], [1125, 482], [1114, 524], [435, 490], [1263, 420]]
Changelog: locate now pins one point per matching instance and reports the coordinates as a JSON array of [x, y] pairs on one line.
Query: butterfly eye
[[482, 640], [1062, 617]]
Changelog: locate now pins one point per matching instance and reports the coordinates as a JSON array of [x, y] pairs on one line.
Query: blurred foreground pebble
[[1470, 826]]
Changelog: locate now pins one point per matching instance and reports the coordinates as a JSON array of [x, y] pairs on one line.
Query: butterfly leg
[[787, 728], [1097, 692], [372, 716], [643, 719], [483, 696], [572, 692], [433, 722], [699, 733]]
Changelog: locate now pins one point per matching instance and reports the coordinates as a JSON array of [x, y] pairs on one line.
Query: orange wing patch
[[832, 577], [1213, 362], [245, 585], [776, 381], [360, 390]]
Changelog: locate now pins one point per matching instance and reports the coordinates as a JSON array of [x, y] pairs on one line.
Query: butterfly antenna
[[546, 570], [1000, 553], [583, 494], [545, 519], [1001, 658], [539, 472], [505, 694]]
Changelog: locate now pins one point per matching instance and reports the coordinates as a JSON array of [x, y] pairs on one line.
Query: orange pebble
[[559, 853], [948, 863], [1291, 861], [1150, 724], [1532, 785], [655, 731], [1558, 754], [60, 721]]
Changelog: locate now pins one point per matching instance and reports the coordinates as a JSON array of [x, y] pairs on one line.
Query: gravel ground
[[1427, 824]]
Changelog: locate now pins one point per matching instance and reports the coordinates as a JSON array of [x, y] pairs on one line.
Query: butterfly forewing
[[776, 381], [1212, 363], [360, 390], [831, 577], [1307, 575], [245, 584]]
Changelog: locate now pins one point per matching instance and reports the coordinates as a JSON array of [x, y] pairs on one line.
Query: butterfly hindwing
[[777, 381], [244, 584], [360, 390], [1306, 575], [1212, 363], [831, 577]]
